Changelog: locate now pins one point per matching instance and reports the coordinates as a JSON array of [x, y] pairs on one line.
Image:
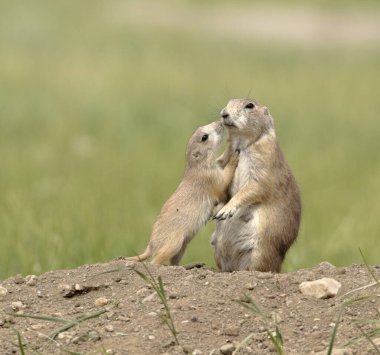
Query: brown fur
[[261, 221], [203, 186]]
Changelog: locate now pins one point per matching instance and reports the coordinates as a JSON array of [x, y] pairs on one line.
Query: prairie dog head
[[204, 143], [246, 117]]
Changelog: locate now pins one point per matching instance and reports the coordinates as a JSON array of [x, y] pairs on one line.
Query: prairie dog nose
[[224, 114]]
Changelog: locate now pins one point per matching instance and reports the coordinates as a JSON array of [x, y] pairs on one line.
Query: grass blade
[[369, 269], [335, 330], [242, 343], [276, 336], [359, 339], [158, 287], [41, 317], [20, 344], [75, 322], [369, 339]]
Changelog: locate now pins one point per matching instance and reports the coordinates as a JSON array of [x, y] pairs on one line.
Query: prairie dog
[[203, 186], [261, 221]]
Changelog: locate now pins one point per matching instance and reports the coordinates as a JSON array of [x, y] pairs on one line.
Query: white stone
[[322, 288]]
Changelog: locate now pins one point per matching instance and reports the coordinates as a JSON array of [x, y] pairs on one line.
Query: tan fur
[[203, 186], [261, 221]]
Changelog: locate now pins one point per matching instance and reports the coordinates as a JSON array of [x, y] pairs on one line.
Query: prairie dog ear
[[266, 111]]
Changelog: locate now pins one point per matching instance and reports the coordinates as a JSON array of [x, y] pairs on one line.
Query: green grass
[[95, 114], [158, 287], [275, 336]]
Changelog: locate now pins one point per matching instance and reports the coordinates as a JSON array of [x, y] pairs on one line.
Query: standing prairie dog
[[203, 186], [261, 221]]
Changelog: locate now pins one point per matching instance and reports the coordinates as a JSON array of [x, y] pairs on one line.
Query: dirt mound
[[114, 311]]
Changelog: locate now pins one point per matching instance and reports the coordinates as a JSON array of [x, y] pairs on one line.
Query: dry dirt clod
[[109, 328], [322, 288], [3, 291], [31, 280], [264, 275], [93, 335], [227, 349], [326, 266], [232, 331], [18, 280], [101, 301], [250, 285], [149, 298], [67, 336], [130, 265], [17, 305], [186, 349]]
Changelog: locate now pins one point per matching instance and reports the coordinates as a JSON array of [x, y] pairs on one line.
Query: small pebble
[[93, 335], [250, 286], [17, 305], [101, 301], [78, 287], [186, 349], [109, 328], [227, 349]]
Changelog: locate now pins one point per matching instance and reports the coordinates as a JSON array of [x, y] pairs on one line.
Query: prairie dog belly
[[234, 239], [242, 172]]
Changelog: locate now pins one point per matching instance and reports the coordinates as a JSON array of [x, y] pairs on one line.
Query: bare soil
[[126, 311]]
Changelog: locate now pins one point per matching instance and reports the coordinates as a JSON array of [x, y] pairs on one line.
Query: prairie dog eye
[[250, 105], [205, 137]]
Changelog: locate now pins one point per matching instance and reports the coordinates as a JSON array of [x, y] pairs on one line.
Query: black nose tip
[[225, 114]]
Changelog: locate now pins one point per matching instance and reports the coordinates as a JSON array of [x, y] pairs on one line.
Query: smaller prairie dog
[[261, 220], [203, 186]]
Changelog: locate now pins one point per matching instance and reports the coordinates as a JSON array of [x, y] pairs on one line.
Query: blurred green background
[[98, 100]]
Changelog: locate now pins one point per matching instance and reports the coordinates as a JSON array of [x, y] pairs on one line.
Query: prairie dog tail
[[145, 255]]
